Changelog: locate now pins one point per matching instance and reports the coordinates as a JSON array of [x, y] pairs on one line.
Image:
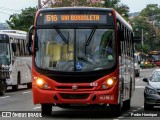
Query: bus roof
[[62, 9], [15, 35], [13, 31], [121, 19]]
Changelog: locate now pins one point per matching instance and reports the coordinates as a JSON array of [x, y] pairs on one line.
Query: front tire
[[3, 87], [127, 104], [117, 110], [14, 87], [46, 109], [147, 106], [29, 85]]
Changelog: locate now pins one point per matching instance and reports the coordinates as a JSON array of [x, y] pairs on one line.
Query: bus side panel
[[21, 71]]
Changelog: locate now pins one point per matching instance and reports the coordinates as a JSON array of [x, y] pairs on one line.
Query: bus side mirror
[[13, 47], [30, 40]]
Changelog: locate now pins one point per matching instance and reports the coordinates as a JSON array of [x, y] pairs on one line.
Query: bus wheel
[[127, 104], [14, 87], [116, 109], [2, 87], [147, 106], [46, 109], [29, 85]]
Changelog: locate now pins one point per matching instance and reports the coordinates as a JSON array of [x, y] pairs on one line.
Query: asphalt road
[[21, 101]]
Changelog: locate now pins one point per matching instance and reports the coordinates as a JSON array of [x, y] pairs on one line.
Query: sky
[[9, 7], [138, 5]]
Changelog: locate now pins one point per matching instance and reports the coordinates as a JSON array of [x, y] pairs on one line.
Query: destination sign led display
[[4, 38], [93, 18], [50, 18]]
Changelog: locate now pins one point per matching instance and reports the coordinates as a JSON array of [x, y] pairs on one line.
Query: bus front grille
[[70, 87], [74, 96]]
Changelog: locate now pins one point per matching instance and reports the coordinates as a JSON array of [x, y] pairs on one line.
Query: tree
[[148, 22], [23, 20], [121, 8], [65, 3], [115, 4]]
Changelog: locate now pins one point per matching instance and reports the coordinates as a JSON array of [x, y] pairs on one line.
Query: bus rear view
[[75, 59]]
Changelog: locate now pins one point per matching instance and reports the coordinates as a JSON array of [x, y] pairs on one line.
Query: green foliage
[[23, 20], [65, 3], [115, 4], [148, 21]]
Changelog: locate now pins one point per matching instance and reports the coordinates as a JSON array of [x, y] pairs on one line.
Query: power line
[[28, 14], [5, 13], [8, 9]]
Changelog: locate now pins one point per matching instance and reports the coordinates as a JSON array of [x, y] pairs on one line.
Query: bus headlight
[[39, 81], [42, 84], [108, 83]]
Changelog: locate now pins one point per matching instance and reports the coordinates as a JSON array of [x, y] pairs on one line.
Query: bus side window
[[13, 47]]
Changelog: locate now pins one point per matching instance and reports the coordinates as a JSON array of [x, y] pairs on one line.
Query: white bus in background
[[17, 58]]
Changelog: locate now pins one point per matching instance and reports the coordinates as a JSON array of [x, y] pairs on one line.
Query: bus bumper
[[84, 97]]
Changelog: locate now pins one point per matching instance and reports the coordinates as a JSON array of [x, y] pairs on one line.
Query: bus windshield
[[4, 54], [80, 49]]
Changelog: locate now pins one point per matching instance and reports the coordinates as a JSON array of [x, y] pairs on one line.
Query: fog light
[[104, 86], [45, 86]]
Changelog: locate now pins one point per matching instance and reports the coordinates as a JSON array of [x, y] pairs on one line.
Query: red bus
[[155, 57], [81, 56]]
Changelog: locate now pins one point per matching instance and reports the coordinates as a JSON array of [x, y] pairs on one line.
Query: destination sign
[[4, 38], [91, 18], [53, 18]]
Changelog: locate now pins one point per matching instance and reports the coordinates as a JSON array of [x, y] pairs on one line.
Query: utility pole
[[75, 2], [142, 38], [39, 4]]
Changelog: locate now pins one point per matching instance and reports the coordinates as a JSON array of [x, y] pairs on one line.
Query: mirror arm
[[29, 44]]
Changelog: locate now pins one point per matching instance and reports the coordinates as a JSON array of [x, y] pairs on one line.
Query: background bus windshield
[[4, 54]]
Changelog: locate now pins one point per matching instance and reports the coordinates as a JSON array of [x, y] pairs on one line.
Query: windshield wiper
[[61, 35], [90, 38]]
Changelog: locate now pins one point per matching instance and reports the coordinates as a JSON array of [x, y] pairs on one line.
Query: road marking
[[26, 92], [37, 107], [5, 97], [139, 86]]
